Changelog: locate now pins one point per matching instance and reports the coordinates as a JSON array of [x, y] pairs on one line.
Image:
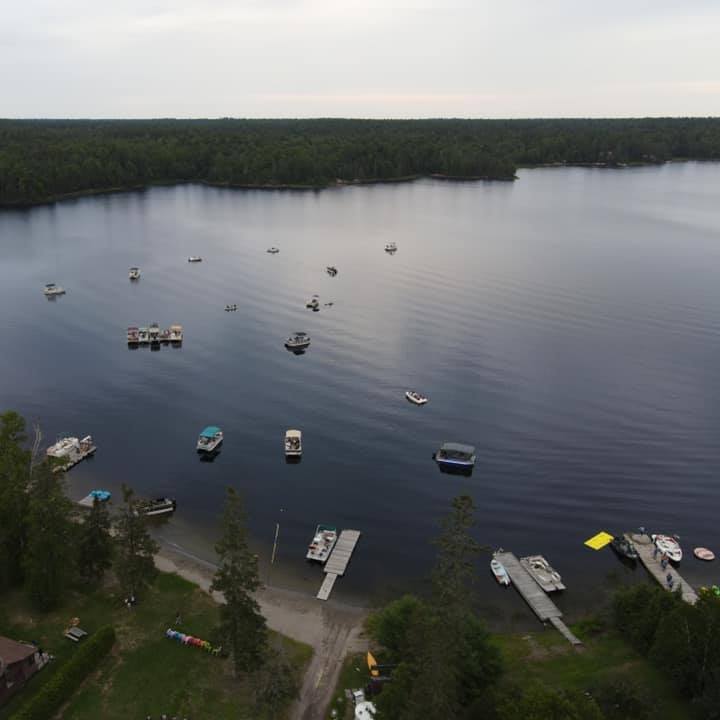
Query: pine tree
[[241, 624], [95, 543], [14, 499], [134, 563], [48, 559]]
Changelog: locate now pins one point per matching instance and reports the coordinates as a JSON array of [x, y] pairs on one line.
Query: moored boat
[[293, 443], [273, 250], [53, 289], [133, 336], [298, 341], [154, 334], [499, 571], [456, 455], [143, 335], [209, 439], [230, 308], [134, 273], [702, 553], [70, 451], [155, 506], [313, 304], [331, 270], [415, 397], [391, 247], [544, 574], [623, 547], [668, 545], [322, 543], [176, 333], [194, 258], [93, 495]]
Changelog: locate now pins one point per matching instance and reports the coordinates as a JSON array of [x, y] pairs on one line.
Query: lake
[[566, 324]]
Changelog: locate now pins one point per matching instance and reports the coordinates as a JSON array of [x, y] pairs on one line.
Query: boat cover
[[210, 431], [458, 448]]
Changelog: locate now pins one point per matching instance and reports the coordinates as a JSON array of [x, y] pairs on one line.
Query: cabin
[[18, 663]]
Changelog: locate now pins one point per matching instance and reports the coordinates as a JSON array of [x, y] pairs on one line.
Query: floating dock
[[74, 452], [646, 551], [338, 561], [534, 596]]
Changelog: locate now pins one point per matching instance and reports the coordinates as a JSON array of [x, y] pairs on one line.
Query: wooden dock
[[646, 550], [338, 561], [534, 596]]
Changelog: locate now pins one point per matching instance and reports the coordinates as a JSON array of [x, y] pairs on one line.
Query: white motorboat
[[143, 335], [53, 289], [499, 571], [322, 543], [133, 335], [175, 334], [156, 506], [154, 334], [273, 250], [313, 304], [210, 438], [194, 258], [70, 451], [331, 270], [668, 545], [415, 397], [391, 247], [546, 576], [134, 273], [298, 341], [293, 443], [63, 447]]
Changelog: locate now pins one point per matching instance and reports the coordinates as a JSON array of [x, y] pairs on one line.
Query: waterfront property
[[338, 561], [19, 661]]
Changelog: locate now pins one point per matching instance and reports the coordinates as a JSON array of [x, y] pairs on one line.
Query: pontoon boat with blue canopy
[[209, 439]]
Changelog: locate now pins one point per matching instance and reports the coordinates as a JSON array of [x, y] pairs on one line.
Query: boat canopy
[[210, 431], [457, 449], [293, 434]]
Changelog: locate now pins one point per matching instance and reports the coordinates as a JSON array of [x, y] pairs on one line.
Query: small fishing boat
[[544, 574], [293, 443], [156, 506], [322, 543], [499, 571], [93, 495], [165, 336], [391, 247], [176, 333], [209, 439], [194, 258], [143, 335], [313, 304], [154, 334], [331, 270], [298, 341], [702, 553], [668, 545], [133, 336], [52, 289], [134, 273], [273, 251], [456, 455], [624, 548], [415, 397], [70, 451], [230, 308]]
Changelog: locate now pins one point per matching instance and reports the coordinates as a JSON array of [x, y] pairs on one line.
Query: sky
[[346, 58]]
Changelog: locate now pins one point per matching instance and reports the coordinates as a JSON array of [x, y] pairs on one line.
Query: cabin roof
[[12, 651], [458, 447], [210, 431]]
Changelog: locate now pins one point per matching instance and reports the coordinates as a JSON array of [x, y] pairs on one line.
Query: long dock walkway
[[338, 561], [533, 594], [646, 550]]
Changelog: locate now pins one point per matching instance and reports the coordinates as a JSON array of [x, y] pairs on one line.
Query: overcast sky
[[330, 58]]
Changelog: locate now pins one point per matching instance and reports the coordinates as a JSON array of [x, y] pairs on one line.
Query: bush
[[68, 678]]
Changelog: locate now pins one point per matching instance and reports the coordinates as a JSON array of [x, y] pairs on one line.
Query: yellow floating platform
[[599, 541]]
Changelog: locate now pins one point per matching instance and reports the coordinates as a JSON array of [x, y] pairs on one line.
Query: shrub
[[68, 678]]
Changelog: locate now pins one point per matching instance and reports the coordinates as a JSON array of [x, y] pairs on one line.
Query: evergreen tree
[[95, 543], [48, 559], [134, 563], [14, 499], [241, 624]]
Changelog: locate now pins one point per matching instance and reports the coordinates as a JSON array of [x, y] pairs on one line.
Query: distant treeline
[[45, 159]]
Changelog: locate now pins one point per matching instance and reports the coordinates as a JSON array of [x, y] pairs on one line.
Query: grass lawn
[[145, 674], [354, 675], [547, 657]]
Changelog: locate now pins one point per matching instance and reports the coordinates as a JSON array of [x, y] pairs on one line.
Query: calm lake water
[[567, 324]]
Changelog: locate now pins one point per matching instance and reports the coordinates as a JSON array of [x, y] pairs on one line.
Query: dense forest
[[41, 160]]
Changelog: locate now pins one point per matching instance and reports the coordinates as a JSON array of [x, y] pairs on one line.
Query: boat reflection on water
[[209, 456], [455, 469]]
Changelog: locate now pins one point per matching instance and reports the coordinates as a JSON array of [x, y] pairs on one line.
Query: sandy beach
[[332, 629]]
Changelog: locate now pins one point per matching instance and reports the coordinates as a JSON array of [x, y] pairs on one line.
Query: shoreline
[[333, 629]]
